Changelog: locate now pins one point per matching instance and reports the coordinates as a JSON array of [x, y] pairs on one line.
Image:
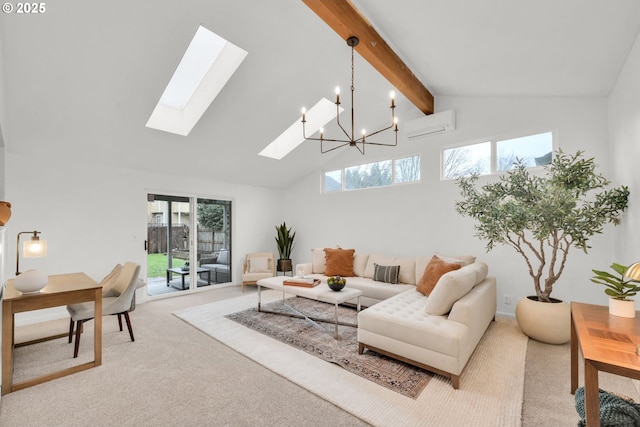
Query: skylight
[[207, 65], [319, 115]]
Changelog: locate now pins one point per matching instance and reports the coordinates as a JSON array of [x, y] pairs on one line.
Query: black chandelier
[[351, 140]]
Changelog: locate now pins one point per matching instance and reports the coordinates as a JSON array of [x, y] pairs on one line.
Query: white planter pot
[[547, 322], [622, 308]]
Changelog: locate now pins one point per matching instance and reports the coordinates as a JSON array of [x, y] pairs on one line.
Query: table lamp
[[33, 248]]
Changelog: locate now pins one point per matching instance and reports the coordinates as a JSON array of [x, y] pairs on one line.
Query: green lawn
[[157, 265]]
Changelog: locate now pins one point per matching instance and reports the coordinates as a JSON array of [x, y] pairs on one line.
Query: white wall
[[95, 217], [419, 219], [624, 130]]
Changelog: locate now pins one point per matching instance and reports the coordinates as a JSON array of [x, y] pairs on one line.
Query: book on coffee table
[[304, 283]]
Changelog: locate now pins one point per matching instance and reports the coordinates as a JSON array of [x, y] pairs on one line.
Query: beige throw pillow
[[259, 264]]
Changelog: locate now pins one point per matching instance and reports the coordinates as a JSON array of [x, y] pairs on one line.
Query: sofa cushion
[[223, 257], [404, 319], [386, 273], [376, 290], [407, 270], [359, 263], [318, 261], [377, 259], [450, 288], [339, 262], [458, 259], [432, 274], [481, 269]]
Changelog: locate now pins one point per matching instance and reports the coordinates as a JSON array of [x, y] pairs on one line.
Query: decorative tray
[[304, 283]]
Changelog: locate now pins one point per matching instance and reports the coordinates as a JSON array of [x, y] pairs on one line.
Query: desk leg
[[591, 394], [97, 328], [574, 357], [7, 346]]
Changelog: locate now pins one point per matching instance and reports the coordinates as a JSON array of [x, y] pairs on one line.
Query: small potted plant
[[619, 290], [284, 241]]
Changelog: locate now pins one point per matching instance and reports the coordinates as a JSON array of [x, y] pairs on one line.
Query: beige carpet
[[491, 386]]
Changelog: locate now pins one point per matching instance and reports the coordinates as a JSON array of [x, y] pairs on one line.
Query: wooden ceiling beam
[[346, 20]]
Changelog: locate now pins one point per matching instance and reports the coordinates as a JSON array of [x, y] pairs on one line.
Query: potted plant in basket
[[542, 216], [284, 241], [619, 290]]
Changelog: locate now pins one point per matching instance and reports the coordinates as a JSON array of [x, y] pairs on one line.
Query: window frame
[[493, 144], [393, 182]]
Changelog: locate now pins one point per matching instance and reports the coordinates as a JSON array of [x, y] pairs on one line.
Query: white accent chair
[[118, 298], [257, 266]]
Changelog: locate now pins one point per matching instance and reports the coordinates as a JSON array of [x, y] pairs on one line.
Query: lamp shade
[[633, 272], [34, 248]]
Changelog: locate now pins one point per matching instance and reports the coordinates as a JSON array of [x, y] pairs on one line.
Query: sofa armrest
[[306, 267], [478, 307]]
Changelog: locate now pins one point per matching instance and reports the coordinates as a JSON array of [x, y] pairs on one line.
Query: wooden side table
[[608, 344], [62, 289]]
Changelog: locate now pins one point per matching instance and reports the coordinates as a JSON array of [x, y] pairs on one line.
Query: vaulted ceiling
[[82, 79]]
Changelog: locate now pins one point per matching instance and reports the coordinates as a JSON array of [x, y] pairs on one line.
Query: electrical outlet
[[507, 299]]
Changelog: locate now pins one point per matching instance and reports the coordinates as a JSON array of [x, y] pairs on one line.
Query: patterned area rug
[[320, 342]]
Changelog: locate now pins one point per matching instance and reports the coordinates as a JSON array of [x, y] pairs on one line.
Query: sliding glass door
[[186, 251]]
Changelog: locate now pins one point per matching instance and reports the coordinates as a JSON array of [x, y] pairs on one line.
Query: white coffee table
[[322, 293]]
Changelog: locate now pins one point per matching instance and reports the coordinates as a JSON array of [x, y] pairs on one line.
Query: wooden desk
[[62, 289], [608, 344]]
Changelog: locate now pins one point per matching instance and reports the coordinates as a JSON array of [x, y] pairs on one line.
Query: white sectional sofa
[[438, 332]]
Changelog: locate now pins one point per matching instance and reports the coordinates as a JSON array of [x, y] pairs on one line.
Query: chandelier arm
[[322, 151], [351, 140]]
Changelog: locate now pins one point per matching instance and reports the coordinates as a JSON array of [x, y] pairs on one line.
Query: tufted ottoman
[[400, 327]]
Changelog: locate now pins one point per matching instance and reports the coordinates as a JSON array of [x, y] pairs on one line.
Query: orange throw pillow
[[339, 262], [432, 273]]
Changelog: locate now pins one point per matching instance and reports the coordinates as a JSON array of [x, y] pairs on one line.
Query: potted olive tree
[[618, 289], [284, 241], [542, 216]]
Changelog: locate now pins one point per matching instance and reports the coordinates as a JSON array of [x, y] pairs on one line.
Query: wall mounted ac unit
[[432, 124]]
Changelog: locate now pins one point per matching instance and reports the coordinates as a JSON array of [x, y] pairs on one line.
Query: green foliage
[[211, 216], [284, 240], [617, 287], [542, 217]]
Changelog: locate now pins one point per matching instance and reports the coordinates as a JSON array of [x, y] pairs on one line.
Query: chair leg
[[71, 322], [128, 320], [120, 321], [78, 332]]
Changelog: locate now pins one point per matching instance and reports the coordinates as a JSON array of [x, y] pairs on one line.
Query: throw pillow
[[432, 273], [386, 273], [318, 261], [339, 262], [259, 264], [450, 288]]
